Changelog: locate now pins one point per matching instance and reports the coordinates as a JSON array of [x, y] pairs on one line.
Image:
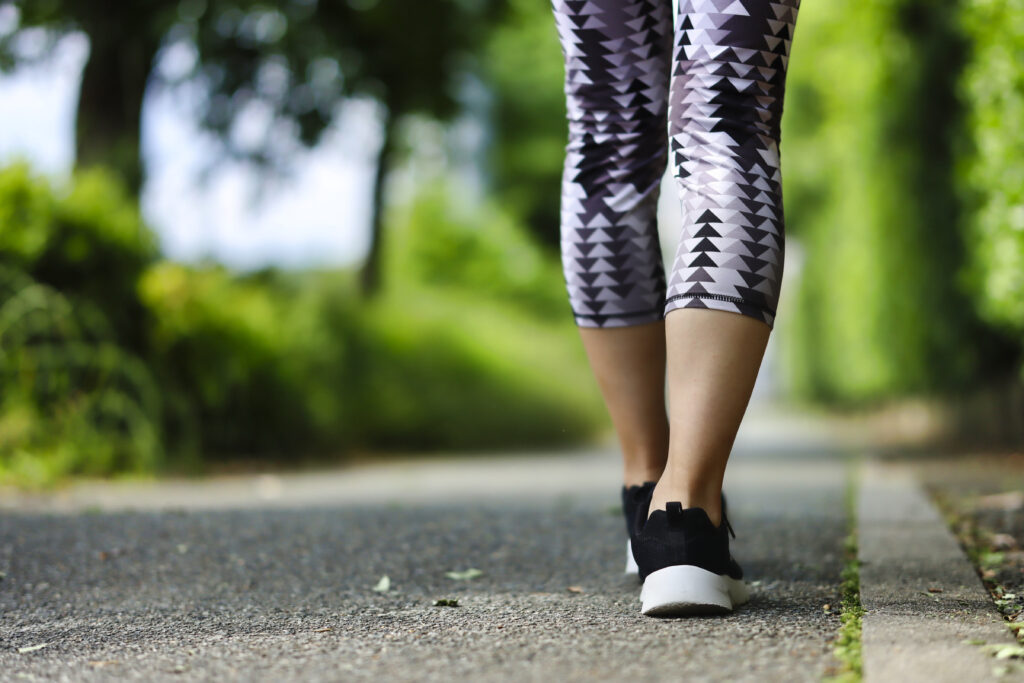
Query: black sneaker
[[636, 500], [685, 564]]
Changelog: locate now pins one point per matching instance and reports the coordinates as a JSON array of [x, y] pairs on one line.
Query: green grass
[[847, 645]]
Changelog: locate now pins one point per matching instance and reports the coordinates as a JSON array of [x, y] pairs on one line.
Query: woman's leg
[[725, 109], [713, 361], [629, 364], [617, 55]]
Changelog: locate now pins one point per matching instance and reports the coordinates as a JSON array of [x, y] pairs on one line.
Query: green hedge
[[992, 169], [75, 396], [112, 360], [871, 136]]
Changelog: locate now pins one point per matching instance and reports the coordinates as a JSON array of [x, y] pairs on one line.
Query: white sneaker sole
[[631, 567], [685, 589]]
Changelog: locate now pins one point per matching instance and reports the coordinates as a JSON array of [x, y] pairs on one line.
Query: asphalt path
[[164, 581]]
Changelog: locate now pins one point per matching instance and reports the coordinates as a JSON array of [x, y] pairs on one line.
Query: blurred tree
[[288, 63], [526, 70], [123, 41]]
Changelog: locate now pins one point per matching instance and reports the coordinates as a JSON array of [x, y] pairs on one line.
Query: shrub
[[86, 241], [437, 241], [71, 400], [870, 138], [992, 169], [112, 360], [224, 345]]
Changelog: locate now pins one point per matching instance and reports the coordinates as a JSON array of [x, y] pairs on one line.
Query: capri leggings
[[706, 87]]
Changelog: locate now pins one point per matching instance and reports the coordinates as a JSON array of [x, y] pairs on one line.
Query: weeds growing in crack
[[847, 644]]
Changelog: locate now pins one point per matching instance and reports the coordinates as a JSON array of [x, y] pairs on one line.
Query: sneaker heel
[[685, 589]]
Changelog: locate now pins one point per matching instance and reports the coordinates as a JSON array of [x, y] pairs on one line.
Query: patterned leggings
[[709, 90]]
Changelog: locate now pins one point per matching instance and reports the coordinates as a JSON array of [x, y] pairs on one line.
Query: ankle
[[637, 476], [707, 498], [643, 459]]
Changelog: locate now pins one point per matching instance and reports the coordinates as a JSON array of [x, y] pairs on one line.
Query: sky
[[319, 217]]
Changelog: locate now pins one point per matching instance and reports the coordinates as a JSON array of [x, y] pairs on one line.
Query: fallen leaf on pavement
[[1006, 651], [446, 602], [31, 648], [384, 585], [574, 589], [470, 573]]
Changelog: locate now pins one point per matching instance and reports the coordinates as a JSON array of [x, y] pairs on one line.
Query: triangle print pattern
[[704, 91], [725, 109], [617, 55]]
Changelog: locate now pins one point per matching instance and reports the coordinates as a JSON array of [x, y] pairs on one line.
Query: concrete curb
[[905, 547]]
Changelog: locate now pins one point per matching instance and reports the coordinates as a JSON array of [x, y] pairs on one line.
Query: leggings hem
[[722, 302]]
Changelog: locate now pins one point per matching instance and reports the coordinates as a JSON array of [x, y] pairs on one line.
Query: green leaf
[[31, 648], [1000, 651], [446, 602], [464, 575]]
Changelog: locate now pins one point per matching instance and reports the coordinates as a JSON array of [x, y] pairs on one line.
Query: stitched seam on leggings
[[720, 297]]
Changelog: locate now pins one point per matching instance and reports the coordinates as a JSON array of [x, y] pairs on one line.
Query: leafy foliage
[[112, 360], [870, 140], [291, 64], [75, 395], [524, 66], [474, 248], [992, 170], [88, 242]]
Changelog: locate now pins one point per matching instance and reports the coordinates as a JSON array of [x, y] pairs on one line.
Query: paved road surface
[[270, 579]]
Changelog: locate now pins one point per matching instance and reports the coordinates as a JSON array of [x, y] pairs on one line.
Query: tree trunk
[[370, 276], [110, 104]]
